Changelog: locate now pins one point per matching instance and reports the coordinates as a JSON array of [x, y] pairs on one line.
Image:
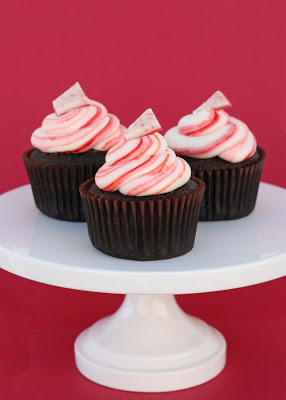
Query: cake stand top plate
[[226, 254]]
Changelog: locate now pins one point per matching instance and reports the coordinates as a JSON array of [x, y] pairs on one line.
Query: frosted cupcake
[[223, 152], [70, 146], [143, 203]]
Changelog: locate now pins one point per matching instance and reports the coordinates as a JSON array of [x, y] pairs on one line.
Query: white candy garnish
[[216, 101], [74, 97], [144, 125]]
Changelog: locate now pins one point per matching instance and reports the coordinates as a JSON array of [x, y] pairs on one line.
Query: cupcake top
[[141, 164], [77, 125], [211, 132]]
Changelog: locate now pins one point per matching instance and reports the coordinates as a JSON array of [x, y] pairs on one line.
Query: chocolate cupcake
[[143, 204], [70, 146], [222, 151]]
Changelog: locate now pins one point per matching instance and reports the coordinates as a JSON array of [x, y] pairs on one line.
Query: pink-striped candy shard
[[194, 122], [216, 102], [74, 97], [146, 124]]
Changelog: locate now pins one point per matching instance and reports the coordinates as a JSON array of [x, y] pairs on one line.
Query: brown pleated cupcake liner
[[56, 187], [230, 193], [143, 229]]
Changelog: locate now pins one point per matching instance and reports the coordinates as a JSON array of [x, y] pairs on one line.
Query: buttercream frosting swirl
[[143, 165], [78, 130], [211, 132]]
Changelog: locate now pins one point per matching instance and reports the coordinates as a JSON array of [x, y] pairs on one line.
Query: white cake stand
[[149, 344]]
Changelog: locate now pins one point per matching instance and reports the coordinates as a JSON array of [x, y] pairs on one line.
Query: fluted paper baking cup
[[142, 228], [230, 193], [55, 187]]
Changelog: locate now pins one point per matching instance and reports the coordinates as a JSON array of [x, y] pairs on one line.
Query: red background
[[131, 55]]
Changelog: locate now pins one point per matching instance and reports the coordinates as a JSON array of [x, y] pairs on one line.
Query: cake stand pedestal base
[[150, 345]]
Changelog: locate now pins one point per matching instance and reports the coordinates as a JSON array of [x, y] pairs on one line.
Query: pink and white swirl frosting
[[78, 126], [211, 132], [142, 165]]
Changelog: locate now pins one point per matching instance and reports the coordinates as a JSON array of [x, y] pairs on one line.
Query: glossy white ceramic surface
[[150, 345], [227, 254]]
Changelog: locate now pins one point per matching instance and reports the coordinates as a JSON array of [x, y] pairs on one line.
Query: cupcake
[[69, 148], [222, 151], [143, 203]]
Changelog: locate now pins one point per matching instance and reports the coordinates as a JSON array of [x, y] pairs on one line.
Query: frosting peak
[[78, 125], [144, 165], [210, 132]]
